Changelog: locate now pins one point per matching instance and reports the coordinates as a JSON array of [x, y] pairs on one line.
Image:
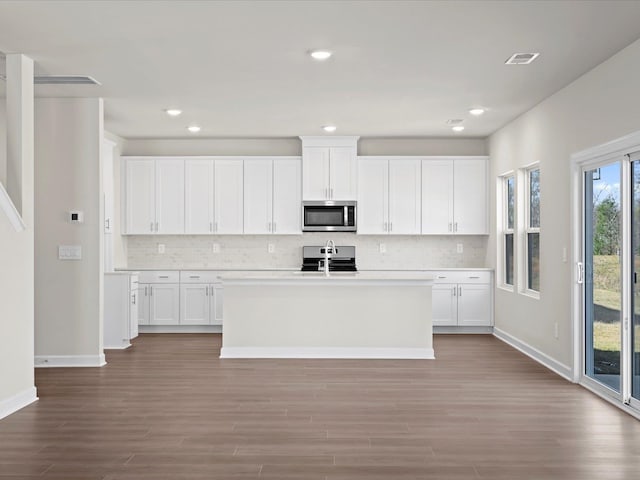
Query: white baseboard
[[563, 370], [464, 330], [45, 361], [18, 401], [122, 346], [180, 328], [327, 352]]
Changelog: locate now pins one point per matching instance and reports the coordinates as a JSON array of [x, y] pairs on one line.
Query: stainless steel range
[[340, 258]]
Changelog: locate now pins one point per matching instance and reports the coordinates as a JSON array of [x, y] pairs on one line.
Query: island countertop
[[315, 278]]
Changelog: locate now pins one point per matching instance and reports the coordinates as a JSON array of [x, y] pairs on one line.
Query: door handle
[[580, 272]]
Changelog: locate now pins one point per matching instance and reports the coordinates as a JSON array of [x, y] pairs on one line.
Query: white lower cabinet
[[159, 297], [200, 294], [120, 309], [462, 299]]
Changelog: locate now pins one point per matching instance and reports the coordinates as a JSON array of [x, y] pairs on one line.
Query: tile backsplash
[[251, 251]]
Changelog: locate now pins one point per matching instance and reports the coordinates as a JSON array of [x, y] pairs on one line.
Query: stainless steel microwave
[[329, 216]]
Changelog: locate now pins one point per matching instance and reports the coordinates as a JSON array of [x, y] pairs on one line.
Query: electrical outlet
[[383, 248], [215, 248], [271, 248], [161, 248], [555, 330], [459, 248]]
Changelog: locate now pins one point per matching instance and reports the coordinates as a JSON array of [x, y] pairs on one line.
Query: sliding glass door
[[634, 334], [603, 275]]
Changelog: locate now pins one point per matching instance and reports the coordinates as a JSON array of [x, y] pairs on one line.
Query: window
[[510, 205], [532, 229], [507, 238]]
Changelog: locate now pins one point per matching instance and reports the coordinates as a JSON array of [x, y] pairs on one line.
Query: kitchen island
[[344, 315]]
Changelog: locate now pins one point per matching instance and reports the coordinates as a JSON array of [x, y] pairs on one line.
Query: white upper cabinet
[[404, 197], [140, 214], [228, 193], [454, 196], [258, 196], [198, 210], [170, 196], [470, 196], [388, 196], [373, 198], [154, 196], [287, 196], [272, 196], [329, 168]]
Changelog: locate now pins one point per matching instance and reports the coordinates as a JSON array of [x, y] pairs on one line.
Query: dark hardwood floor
[[169, 408]]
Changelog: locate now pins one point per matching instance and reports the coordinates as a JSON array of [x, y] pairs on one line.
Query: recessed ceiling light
[[476, 111], [193, 128], [320, 54], [457, 128], [329, 128], [521, 58], [173, 112]]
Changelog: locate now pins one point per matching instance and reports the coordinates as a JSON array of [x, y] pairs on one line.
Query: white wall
[[601, 106], [3, 141], [16, 268], [219, 146], [68, 175]]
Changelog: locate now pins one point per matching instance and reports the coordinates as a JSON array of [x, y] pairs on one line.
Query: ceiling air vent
[[521, 58], [64, 80], [454, 121], [61, 80]]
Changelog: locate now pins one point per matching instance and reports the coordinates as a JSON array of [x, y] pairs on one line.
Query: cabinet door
[[170, 196], [217, 304], [194, 304], [143, 304], [373, 205], [198, 209], [164, 302], [108, 154], [258, 196], [474, 305], [444, 305], [343, 173], [287, 202], [470, 196], [404, 197], [437, 196], [228, 196], [140, 201], [315, 173]]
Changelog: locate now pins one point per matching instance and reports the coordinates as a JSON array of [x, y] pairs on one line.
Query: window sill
[[505, 287], [531, 294]]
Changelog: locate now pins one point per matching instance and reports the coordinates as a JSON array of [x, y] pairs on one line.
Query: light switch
[[215, 248], [161, 248], [69, 252], [383, 248], [459, 248], [271, 248]]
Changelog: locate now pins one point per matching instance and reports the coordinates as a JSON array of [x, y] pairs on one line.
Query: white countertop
[[344, 278]]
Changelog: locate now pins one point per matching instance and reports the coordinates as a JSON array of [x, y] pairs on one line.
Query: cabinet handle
[[163, 276], [455, 226], [331, 196], [391, 226], [108, 220], [474, 276], [134, 298], [459, 291], [215, 226], [151, 227], [190, 276], [211, 226], [269, 226], [151, 291], [206, 291], [145, 291], [450, 226], [455, 291], [156, 226], [441, 276], [274, 227], [211, 290], [385, 226]]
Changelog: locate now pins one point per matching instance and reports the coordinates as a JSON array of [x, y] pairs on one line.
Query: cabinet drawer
[[465, 276], [164, 276], [209, 276]]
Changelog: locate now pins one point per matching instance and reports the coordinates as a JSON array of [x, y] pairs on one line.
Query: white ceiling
[[240, 68]]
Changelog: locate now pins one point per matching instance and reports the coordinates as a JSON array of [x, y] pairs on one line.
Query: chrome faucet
[[330, 247]]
